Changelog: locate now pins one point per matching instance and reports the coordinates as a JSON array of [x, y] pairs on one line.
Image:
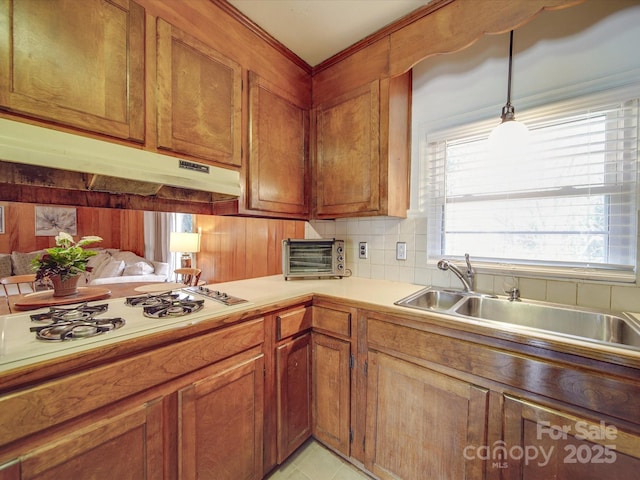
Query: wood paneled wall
[[234, 248], [118, 228]]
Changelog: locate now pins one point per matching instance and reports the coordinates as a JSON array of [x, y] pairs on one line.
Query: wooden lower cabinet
[[220, 420], [547, 443], [128, 445], [293, 365], [420, 421], [188, 409], [332, 391]]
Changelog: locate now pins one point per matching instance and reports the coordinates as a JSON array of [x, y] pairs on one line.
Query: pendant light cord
[[508, 112], [510, 64]]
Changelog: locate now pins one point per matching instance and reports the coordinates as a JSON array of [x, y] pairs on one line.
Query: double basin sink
[[564, 321]]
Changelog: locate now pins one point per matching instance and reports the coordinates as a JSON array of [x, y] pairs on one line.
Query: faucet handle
[[469, 268]]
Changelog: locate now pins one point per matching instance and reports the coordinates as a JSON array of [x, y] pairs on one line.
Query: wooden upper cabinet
[[277, 179], [199, 98], [362, 151], [79, 64]]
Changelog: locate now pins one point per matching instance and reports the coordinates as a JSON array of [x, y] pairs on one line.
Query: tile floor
[[314, 462]]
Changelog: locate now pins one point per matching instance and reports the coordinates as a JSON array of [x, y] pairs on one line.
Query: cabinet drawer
[[293, 321], [334, 321]]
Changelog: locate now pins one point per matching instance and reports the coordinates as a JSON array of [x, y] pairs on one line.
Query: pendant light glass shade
[[510, 137]]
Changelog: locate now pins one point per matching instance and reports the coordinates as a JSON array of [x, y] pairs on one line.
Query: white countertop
[[19, 347]]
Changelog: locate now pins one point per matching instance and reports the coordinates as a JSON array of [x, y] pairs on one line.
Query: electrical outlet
[[364, 250], [401, 251]]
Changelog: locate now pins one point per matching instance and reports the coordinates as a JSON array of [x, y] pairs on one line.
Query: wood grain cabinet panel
[[10, 470], [333, 321], [292, 322], [420, 421], [199, 98], [332, 392], [278, 171], [79, 64], [293, 364], [562, 445], [128, 445], [221, 420], [362, 151]]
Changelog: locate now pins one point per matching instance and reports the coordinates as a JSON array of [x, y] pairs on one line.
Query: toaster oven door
[[311, 258]]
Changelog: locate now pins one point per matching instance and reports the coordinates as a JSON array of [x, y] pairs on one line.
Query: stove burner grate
[[151, 300], [81, 311], [61, 331], [165, 304], [175, 308], [78, 321]]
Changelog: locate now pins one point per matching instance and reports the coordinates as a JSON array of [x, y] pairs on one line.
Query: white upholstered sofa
[[108, 266]]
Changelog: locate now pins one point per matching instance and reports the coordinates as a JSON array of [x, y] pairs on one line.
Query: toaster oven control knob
[[340, 258], [340, 266], [340, 250]]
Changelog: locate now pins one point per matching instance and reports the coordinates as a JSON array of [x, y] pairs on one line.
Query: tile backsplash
[[382, 234]]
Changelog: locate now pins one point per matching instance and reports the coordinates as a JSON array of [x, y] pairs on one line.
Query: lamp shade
[[184, 242]]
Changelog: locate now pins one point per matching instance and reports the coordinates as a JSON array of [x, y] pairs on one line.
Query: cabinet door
[[125, 446], [293, 363], [556, 444], [331, 391], [420, 421], [83, 66], [278, 173], [221, 420], [10, 470], [348, 156], [199, 98]]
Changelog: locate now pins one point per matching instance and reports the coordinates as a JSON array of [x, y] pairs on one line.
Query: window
[[567, 202]]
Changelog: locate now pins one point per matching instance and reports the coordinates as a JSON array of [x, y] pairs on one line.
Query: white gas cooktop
[[19, 346]]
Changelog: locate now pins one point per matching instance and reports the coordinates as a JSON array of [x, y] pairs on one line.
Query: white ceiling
[[318, 29]]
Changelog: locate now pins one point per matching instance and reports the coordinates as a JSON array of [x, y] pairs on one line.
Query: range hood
[[113, 168]]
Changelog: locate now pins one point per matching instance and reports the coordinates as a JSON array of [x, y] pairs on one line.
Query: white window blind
[[569, 201]]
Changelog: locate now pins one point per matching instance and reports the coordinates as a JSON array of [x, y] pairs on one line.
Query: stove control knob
[[224, 295]]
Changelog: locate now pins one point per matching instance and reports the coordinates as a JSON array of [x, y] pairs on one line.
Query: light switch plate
[[401, 251]]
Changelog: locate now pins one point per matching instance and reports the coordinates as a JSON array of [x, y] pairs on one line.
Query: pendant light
[[510, 136]]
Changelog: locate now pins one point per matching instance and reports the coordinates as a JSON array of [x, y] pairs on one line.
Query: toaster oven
[[313, 258]]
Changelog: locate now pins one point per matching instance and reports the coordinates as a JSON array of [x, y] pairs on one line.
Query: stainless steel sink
[[569, 321], [564, 321], [432, 299]]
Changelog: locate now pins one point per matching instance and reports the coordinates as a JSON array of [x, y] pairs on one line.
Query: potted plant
[[64, 264]]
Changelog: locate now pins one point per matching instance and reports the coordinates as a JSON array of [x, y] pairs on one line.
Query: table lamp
[[186, 243]]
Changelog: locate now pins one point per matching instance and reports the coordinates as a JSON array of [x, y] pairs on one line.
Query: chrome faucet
[[466, 278]]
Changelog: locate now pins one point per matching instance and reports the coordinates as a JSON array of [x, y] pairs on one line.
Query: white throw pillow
[[112, 268], [130, 258], [94, 264], [138, 268]]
